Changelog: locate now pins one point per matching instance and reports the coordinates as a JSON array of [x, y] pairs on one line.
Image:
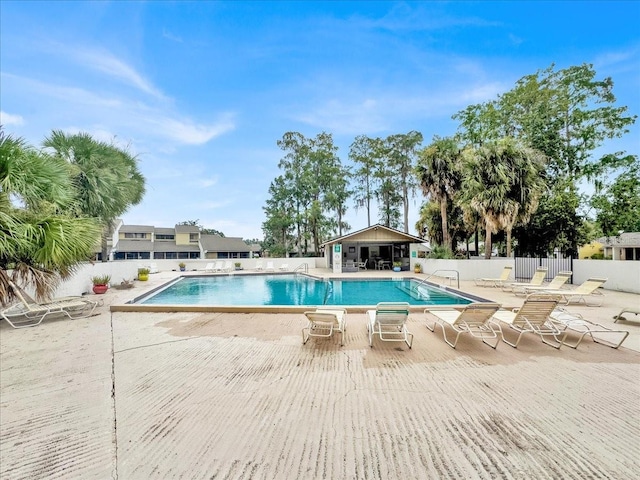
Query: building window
[[135, 235], [194, 254], [193, 237], [161, 236]]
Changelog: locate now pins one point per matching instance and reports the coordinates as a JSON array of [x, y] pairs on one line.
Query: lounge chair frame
[[495, 282], [588, 290], [532, 317], [324, 322], [575, 322], [634, 310], [556, 283], [473, 319], [389, 322], [536, 280], [31, 314]]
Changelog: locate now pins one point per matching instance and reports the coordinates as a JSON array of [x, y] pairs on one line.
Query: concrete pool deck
[[193, 395]]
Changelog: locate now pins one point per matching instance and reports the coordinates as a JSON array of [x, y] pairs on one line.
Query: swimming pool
[[299, 290]]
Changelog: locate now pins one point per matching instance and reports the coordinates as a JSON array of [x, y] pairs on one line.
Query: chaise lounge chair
[[284, 267], [495, 282], [209, 267], [556, 283], [583, 292], [30, 313], [270, 267], [324, 322], [219, 267], [532, 317], [363, 265], [473, 319], [536, 280], [259, 266], [389, 322], [578, 324], [634, 310]]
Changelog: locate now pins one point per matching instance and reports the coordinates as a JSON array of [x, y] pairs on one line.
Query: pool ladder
[[448, 277]]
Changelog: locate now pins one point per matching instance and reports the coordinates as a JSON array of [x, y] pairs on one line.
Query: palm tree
[[106, 178], [439, 175], [503, 183], [41, 241]]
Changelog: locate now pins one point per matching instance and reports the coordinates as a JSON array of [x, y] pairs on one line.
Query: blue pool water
[[298, 290]]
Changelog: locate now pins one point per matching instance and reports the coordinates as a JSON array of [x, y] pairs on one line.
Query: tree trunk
[[445, 222], [487, 242], [508, 243], [476, 242]]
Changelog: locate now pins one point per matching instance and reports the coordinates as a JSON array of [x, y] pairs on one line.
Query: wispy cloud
[[9, 119], [207, 182], [118, 112], [213, 205], [170, 36], [418, 17], [346, 117], [191, 133], [105, 62], [618, 58]]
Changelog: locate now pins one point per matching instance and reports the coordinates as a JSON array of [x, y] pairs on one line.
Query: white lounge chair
[[30, 313], [228, 266], [324, 322], [284, 267], [634, 310], [584, 292], [473, 319], [153, 267], [270, 267], [495, 282], [574, 322], [219, 267], [259, 265], [531, 317], [536, 280], [209, 267], [363, 265], [556, 283], [389, 322]]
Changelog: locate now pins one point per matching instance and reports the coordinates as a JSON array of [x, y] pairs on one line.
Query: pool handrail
[[457, 276], [302, 266]]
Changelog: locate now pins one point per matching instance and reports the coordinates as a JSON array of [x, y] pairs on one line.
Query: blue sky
[[202, 91]]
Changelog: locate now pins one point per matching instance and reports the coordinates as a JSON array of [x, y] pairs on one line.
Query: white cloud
[[343, 117], [106, 62], [186, 131], [120, 113], [207, 182], [213, 205], [171, 36], [9, 119], [617, 58]]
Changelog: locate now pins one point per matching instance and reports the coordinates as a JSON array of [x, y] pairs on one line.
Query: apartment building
[[146, 242]]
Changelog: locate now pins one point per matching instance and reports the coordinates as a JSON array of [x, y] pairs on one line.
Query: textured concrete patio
[[220, 395]]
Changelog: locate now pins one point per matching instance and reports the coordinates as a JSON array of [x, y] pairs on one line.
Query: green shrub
[[439, 251], [101, 279]]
